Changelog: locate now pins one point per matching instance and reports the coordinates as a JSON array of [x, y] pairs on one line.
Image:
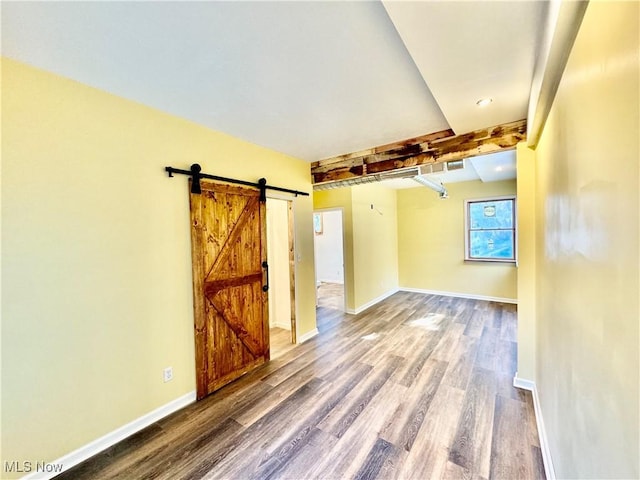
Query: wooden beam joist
[[435, 147]]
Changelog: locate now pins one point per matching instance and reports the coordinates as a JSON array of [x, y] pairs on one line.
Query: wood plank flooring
[[279, 341], [331, 295], [416, 387]]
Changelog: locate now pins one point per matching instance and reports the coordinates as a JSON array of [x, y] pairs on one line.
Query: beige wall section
[[341, 198], [587, 251], [371, 241], [96, 259], [526, 270], [375, 241], [431, 242]]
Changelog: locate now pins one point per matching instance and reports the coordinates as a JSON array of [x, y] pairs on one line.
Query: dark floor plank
[[378, 455]]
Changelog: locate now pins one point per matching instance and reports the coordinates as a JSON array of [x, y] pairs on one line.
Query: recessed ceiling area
[[310, 79], [470, 50]]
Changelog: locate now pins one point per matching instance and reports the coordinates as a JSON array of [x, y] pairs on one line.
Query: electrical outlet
[[167, 374]]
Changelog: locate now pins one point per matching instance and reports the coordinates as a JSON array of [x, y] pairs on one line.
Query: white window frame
[[467, 230]]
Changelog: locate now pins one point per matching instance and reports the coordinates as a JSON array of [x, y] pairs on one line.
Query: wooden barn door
[[228, 238]]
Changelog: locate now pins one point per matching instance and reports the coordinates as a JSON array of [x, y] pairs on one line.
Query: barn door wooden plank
[[200, 327], [230, 306]]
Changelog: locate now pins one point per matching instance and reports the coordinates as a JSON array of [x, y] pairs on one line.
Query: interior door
[[228, 238]]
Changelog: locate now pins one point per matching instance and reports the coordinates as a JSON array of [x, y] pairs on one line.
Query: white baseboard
[[284, 326], [460, 295], [308, 336], [542, 433], [83, 453], [370, 304], [524, 384]]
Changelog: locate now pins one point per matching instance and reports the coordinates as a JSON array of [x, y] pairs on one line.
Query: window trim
[[467, 230]]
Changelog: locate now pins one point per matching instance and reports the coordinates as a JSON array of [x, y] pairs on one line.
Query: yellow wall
[[526, 270], [431, 243], [96, 261], [371, 241], [375, 241], [587, 236]]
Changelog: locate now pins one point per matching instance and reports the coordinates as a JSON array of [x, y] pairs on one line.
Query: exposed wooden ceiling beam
[[435, 147]]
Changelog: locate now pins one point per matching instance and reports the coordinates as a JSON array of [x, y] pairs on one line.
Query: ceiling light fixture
[[483, 102]]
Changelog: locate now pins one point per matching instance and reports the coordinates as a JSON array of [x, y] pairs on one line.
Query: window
[[490, 230]]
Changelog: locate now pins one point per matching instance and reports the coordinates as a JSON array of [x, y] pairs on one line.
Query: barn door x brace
[[196, 175]]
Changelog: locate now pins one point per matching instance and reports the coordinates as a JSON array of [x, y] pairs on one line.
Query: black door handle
[[265, 265]]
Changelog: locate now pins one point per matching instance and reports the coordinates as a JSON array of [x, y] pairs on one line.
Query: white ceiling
[[310, 79], [466, 51]]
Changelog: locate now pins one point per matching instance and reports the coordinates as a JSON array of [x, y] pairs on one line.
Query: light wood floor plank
[[461, 364], [509, 446], [471, 447], [430, 451], [407, 419], [338, 420]]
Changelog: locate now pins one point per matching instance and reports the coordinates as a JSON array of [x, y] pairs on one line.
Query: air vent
[[455, 165], [401, 173], [376, 177], [432, 168]]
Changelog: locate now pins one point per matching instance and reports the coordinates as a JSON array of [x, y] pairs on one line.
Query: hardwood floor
[[416, 387], [279, 341], [331, 295]]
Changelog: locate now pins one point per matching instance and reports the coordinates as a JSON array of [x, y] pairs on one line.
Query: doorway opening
[[281, 260], [329, 259]]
